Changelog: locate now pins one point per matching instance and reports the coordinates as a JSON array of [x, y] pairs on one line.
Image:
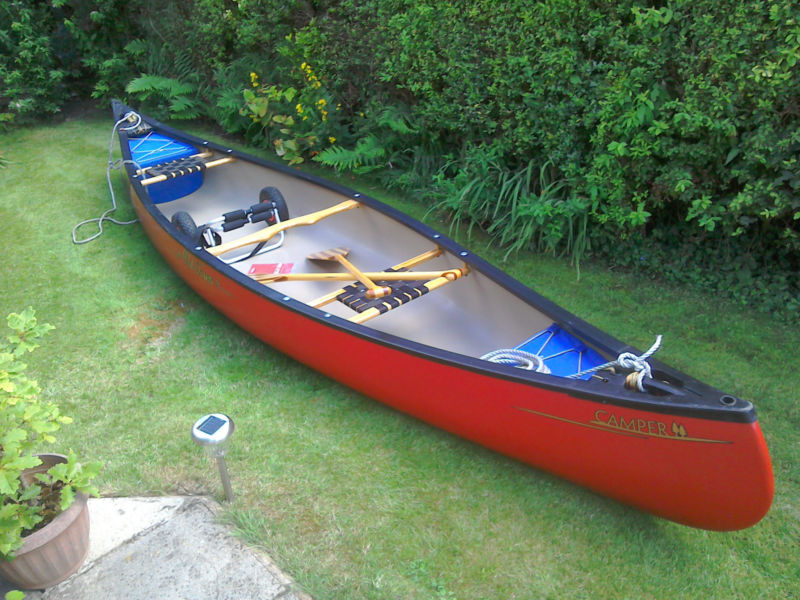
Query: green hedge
[[664, 136], [675, 129]]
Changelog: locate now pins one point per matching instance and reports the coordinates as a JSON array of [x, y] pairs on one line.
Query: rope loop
[[112, 165], [518, 358]]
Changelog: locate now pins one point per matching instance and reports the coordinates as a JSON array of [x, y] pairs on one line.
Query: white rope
[[628, 360], [533, 362], [112, 165], [517, 358]]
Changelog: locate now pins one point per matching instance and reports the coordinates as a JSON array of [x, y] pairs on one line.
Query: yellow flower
[[332, 139], [322, 102], [299, 109]]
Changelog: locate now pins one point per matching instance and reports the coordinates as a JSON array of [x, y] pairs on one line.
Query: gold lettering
[[637, 425]]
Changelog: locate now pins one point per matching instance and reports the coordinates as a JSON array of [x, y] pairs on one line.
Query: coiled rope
[[112, 165], [627, 360], [518, 358]]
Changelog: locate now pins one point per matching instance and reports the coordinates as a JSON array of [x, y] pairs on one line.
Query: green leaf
[[8, 483], [67, 497]]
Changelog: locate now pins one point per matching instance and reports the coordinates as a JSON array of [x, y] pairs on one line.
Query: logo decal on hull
[[196, 266], [644, 428]]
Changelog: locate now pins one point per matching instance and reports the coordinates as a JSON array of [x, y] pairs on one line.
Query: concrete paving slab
[[114, 521], [168, 548]]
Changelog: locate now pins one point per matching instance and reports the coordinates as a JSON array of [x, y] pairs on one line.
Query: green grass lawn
[[351, 498]]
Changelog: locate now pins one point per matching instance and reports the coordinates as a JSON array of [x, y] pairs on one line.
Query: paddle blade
[[331, 254]]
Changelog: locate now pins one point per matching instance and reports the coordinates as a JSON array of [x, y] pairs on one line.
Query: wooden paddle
[[406, 264], [447, 277], [265, 234], [339, 254], [209, 164]]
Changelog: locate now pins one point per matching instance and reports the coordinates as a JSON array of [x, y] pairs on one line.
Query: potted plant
[[44, 521]]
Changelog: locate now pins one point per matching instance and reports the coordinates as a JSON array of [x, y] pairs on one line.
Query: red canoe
[[388, 306]]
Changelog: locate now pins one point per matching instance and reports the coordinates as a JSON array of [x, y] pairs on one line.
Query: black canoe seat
[[178, 168], [355, 295]]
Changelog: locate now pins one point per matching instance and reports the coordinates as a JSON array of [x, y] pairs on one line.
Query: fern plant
[[366, 156], [390, 131], [177, 98]]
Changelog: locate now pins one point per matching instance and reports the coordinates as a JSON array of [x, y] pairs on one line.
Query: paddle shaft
[[340, 256], [373, 289], [265, 234]]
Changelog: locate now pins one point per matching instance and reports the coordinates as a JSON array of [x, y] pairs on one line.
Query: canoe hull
[[706, 473]]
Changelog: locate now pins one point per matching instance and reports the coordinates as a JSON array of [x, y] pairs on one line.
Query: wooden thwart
[[373, 275], [210, 164], [265, 234]]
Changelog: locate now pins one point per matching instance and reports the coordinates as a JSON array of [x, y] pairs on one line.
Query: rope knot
[[639, 365]]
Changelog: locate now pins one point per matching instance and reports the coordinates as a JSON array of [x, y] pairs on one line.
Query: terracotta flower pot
[[57, 550]]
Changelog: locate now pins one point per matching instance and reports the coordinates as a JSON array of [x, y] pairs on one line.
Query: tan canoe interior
[[472, 315]]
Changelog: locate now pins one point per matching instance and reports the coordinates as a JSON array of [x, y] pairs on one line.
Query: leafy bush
[[294, 121], [52, 52], [631, 128], [26, 422], [32, 78], [673, 128]]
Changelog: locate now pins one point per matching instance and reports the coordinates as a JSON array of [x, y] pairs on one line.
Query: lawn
[[351, 498]]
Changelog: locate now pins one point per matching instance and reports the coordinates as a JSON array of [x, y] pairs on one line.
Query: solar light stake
[[212, 433]]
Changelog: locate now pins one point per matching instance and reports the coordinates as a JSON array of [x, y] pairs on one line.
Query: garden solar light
[[212, 432]]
